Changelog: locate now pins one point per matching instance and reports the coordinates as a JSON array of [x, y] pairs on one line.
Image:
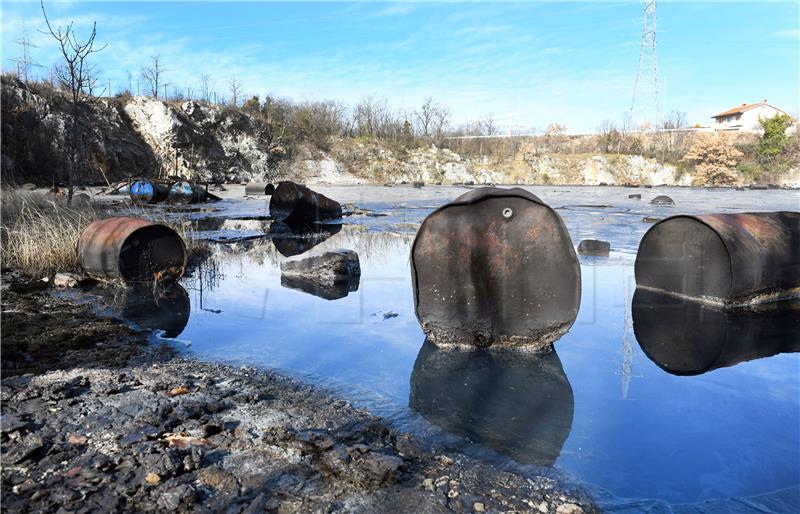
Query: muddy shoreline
[[97, 417]]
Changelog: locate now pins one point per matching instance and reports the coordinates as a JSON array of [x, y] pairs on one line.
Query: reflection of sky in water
[[637, 431]]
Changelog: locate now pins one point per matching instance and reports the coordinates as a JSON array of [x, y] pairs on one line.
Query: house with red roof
[[745, 117]]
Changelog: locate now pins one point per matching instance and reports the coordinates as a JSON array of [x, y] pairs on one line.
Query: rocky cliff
[[374, 162], [130, 136]]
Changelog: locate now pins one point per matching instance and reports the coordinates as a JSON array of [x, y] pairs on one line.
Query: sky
[[528, 64]]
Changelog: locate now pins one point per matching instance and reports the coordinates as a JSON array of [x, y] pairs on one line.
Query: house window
[[738, 117]]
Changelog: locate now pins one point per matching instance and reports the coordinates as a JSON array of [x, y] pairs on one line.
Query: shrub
[[714, 157], [774, 140]]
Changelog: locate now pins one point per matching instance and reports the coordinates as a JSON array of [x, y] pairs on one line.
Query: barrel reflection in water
[[292, 239], [167, 309], [519, 404], [684, 337]]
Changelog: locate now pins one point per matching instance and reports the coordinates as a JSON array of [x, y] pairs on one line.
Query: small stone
[[73, 472], [390, 314], [77, 439], [444, 460], [67, 280], [452, 493], [651, 219], [635, 197], [11, 423], [152, 478], [594, 247], [177, 391], [543, 507], [479, 507], [427, 484], [569, 508], [662, 200]]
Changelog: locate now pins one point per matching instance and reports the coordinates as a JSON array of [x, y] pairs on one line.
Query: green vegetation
[[774, 140]]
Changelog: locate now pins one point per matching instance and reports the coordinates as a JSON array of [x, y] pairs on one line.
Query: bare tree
[[236, 91], [424, 117], [488, 128], [609, 136], [205, 87], [368, 115], [431, 118], [74, 74], [153, 75], [441, 119]]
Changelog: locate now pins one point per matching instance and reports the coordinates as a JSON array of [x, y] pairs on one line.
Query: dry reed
[[39, 232]]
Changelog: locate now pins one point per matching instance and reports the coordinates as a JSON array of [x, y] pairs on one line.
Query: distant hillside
[[140, 136]]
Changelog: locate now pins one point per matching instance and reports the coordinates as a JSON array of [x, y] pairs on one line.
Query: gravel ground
[[95, 417]]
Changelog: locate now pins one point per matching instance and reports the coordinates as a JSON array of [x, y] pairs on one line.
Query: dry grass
[[39, 232]]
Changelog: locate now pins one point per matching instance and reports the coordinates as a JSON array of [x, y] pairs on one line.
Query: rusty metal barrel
[[258, 188], [495, 267], [131, 249], [727, 259], [294, 202], [685, 337]]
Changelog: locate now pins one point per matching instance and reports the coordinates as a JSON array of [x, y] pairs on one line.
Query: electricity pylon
[[644, 105]]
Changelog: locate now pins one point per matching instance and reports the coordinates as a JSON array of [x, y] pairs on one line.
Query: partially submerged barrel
[[258, 188], [131, 249], [294, 202], [495, 267], [685, 337], [727, 259], [146, 191]]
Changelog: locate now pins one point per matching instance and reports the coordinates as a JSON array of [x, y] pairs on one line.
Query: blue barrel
[[181, 192], [145, 191], [142, 191]]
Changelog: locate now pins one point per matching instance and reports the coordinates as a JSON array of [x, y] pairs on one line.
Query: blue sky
[[530, 63]]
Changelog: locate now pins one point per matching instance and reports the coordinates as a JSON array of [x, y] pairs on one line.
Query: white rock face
[[200, 141], [328, 171]]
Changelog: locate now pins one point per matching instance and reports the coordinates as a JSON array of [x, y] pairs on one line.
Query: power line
[[24, 61]]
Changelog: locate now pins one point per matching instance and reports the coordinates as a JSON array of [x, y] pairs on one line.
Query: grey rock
[[662, 200], [328, 268], [594, 247]]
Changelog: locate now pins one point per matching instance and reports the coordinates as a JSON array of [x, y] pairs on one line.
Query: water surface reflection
[[684, 337], [519, 404]]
